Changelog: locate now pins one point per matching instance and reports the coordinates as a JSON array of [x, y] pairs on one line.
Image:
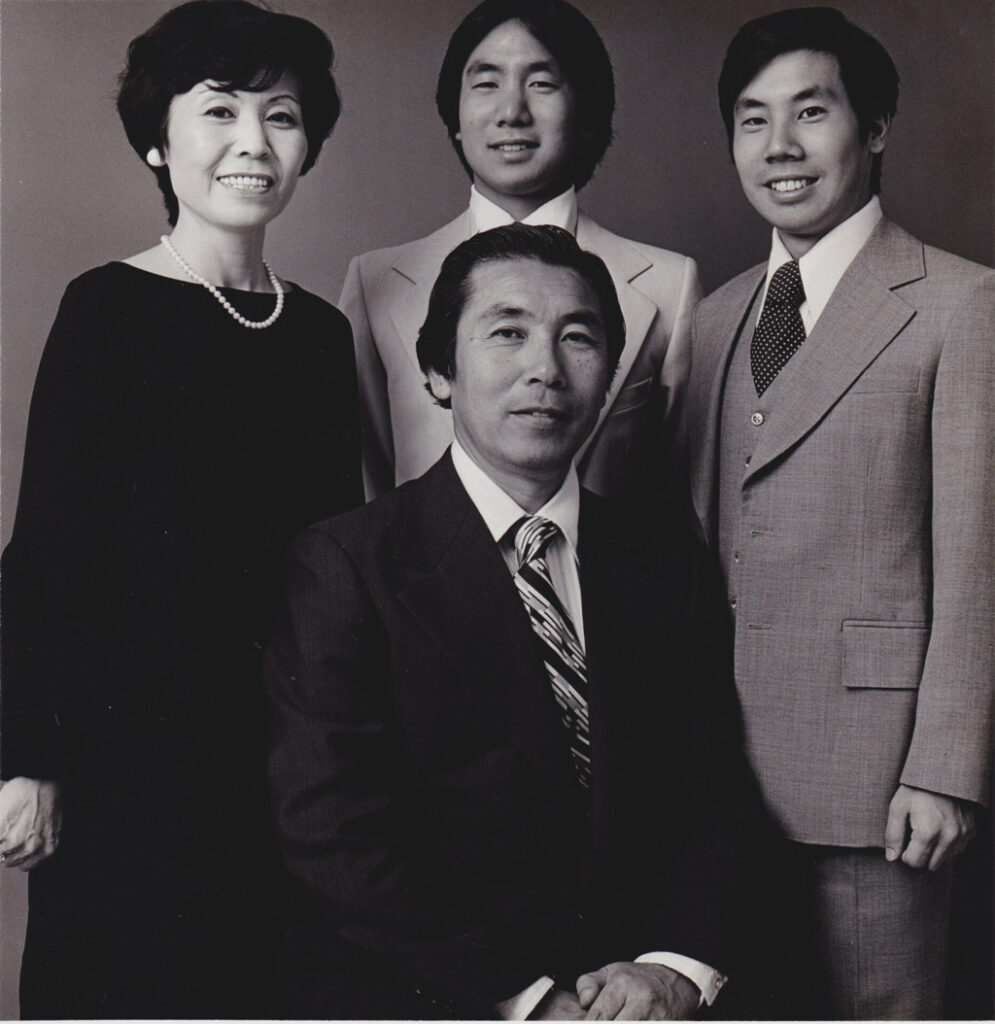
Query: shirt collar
[[827, 261], [500, 511], [561, 212]]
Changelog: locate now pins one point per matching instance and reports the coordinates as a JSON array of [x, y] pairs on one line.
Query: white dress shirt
[[500, 512], [560, 212], [826, 262]]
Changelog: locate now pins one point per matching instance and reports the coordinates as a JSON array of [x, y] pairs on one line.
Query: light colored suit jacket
[[865, 622], [637, 441]]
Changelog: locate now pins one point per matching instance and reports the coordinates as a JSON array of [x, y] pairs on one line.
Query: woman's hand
[[30, 820]]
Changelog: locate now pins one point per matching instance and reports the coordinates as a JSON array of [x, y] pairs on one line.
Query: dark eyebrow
[[549, 66], [285, 96], [584, 316], [485, 67], [748, 104], [577, 316], [813, 92], [479, 67], [498, 310], [218, 88]]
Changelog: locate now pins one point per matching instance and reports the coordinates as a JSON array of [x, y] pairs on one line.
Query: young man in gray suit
[[526, 92], [842, 427]]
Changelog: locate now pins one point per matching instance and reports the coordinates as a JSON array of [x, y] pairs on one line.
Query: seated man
[[504, 746]]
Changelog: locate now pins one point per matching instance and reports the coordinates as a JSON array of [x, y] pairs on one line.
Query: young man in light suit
[[527, 94], [481, 822], [842, 426]]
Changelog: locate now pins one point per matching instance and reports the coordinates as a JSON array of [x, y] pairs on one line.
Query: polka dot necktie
[[780, 330], [561, 651]]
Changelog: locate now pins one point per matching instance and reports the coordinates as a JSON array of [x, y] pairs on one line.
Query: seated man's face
[[517, 117], [531, 369], [797, 148]]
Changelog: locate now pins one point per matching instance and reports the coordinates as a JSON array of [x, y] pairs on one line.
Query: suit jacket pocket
[[883, 655]]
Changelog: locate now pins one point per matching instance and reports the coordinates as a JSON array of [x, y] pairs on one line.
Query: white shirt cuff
[[708, 980], [519, 1007]]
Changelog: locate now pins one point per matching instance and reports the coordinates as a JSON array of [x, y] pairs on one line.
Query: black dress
[[171, 454]]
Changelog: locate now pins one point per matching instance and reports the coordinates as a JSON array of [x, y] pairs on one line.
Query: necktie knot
[[532, 537], [786, 288]]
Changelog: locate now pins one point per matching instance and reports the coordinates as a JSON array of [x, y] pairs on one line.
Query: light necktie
[[780, 330], [561, 650]]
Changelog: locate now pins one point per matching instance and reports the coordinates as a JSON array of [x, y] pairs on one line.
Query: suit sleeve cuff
[[519, 1007], [707, 979]]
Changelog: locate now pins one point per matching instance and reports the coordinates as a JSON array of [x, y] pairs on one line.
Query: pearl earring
[[154, 158], [458, 136]]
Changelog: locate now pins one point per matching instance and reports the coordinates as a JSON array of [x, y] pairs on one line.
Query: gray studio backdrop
[[74, 195]]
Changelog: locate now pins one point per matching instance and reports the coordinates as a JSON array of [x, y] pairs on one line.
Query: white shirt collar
[[500, 511], [560, 211], [827, 261]]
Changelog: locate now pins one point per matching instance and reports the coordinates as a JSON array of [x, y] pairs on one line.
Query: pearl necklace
[[255, 325]]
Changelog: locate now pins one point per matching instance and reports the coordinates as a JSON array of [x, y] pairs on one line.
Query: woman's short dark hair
[[558, 248], [579, 51], [236, 44], [866, 69]]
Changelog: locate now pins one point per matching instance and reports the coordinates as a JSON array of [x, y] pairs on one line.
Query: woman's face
[[234, 157]]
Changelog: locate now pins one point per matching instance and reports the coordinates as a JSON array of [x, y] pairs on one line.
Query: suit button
[[735, 557], [757, 418], [732, 604], [746, 461]]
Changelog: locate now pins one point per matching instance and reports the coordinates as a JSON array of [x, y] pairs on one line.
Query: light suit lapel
[[861, 319], [625, 264], [417, 267]]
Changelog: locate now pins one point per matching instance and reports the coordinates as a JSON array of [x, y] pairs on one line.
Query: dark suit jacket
[[421, 777]]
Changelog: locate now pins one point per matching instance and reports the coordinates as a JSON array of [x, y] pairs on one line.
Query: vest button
[[757, 418]]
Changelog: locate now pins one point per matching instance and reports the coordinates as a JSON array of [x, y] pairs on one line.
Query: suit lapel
[[725, 322], [418, 266], [625, 264], [460, 591], [862, 317]]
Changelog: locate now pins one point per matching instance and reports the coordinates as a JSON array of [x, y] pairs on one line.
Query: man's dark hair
[[558, 248], [574, 43], [237, 45], [868, 72]]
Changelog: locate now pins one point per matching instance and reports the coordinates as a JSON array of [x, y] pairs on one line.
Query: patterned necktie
[[780, 330], [561, 651]]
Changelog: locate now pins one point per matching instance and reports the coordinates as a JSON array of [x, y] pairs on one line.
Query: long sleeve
[[50, 567], [950, 751]]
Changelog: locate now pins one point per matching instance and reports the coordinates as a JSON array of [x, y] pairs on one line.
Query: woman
[[191, 412]]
